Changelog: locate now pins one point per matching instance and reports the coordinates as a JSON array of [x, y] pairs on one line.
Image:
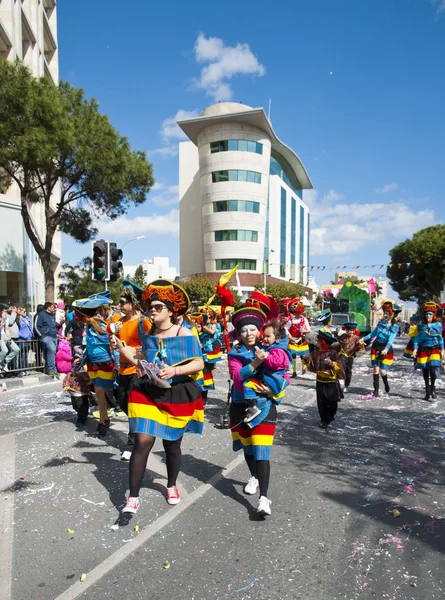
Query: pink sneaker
[[173, 496], [132, 505]]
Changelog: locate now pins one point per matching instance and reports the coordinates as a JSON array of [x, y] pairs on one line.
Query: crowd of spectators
[[44, 342]]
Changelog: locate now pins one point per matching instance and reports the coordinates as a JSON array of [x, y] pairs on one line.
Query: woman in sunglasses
[[245, 359], [428, 348], [164, 412]]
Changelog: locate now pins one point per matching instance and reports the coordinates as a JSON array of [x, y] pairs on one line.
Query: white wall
[[190, 212]]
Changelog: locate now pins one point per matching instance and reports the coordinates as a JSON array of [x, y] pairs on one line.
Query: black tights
[[138, 462], [261, 470], [427, 373]]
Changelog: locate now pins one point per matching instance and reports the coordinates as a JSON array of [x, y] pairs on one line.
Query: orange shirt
[[129, 333]]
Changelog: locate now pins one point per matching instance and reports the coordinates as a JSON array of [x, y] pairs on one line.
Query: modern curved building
[[240, 191]]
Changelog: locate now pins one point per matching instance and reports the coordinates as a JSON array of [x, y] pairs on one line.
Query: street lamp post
[[266, 268], [140, 237]]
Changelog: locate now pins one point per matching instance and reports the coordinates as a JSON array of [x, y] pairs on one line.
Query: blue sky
[[357, 90]]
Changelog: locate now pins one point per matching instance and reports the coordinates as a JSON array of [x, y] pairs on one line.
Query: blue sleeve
[[246, 373], [371, 335], [392, 336]]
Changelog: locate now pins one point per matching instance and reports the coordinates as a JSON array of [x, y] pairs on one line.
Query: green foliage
[[139, 278], [77, 282], [282, 290], [51, 136], [199, 288], [424, 280]]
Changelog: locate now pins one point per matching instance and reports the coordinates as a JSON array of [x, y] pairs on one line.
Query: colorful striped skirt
[[428, 358], [298, 350], [256, 441], [408, 352], [166, 413], [378, 360], [209, 383], [101, 374], [213, 356]]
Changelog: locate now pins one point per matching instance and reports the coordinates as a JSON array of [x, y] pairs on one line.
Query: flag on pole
[[224, 279]]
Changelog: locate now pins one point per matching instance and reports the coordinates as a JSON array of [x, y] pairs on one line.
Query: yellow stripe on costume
[[144, 411], [425, 359], [102, 374], [262, 440], [386, 361], [304, 346]]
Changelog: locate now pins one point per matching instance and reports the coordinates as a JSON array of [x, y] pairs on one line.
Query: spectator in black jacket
[[46, 328]]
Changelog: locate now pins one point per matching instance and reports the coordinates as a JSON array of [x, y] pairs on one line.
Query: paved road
[[331, 536]]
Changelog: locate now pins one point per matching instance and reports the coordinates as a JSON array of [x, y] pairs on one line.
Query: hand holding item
[[415, 353], [260, 354], [167, 372], [384, 352]]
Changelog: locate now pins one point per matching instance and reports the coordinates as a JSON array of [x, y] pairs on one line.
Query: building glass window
[[236, 235], [236, 175], [283, 233], [225, 264], [236, 145], [301, 236], [283, 171], [293, 233], [236, 206]]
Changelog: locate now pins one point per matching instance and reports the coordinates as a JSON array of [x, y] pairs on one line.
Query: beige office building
[[28, 31]]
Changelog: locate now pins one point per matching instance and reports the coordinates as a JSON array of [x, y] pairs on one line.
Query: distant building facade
[[154, 268], [241, 197]]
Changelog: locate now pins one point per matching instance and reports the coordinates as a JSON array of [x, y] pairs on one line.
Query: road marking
[[7, 478], [125, 551]]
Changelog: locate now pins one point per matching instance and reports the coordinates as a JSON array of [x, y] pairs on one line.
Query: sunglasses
[[123, 302], [157, 307], [429, 314]]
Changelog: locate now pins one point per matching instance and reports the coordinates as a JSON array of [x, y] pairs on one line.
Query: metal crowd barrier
[[30, 358]]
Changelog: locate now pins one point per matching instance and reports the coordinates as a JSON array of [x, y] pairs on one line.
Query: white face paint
[[249, 330]]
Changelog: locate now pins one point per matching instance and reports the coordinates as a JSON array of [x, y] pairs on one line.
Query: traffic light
[[100, 261], [116, 266]]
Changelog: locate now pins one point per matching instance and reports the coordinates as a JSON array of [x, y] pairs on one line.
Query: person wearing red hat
[[297, 327]]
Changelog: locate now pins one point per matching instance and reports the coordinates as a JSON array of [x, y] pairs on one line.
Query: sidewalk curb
[[25, 382]]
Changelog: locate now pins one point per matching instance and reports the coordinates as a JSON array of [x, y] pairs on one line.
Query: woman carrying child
[[247, 361]]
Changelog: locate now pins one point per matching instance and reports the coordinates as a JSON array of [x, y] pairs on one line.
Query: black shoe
[[387, 388], [376, 393], [433, 392], [80, 425], [324, 425], [250, 413], [101, 431], [107, 423], [294, 375]]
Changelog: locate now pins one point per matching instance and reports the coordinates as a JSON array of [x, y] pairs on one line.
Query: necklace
[[168, 328]]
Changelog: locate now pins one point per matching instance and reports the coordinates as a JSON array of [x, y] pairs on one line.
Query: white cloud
[[341, 229], [167, 224], [440, 5], [169, 128], [157, 186], [389, 187], [168, 196], [224, 63], [165, 151]]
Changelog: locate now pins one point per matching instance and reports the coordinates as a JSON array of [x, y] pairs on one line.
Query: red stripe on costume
[[107, 368], [176, 410], [208, 377], [261, 429]]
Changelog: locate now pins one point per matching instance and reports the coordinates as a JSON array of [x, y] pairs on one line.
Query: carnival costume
[[327, 384], [210, 345], [297, 327], [350, 344], [383, 335], [429, 345], [167, 413]]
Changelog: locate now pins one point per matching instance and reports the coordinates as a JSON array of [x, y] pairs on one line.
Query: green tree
[[422, 280], [138, 277], [199, 288], [53, 140], [282, 290], [76, 282]]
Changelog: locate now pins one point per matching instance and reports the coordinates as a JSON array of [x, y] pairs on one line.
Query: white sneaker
[[251, 486], [126, 455], [345, 390], [132, 505], [263, 509]]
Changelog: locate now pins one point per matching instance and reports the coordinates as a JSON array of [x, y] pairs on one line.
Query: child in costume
[[428, 348], [325, 362], [297, 327], [209, 331], [324, 319], [382, 354], [350, 344], [272, 373], [77, 385]]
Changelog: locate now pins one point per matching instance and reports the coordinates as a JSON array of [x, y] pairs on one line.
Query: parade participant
[[187, 321], [271, 373], [164, 412], [77, 385], [256, 442], [209, 331], [350, 344], [324, 319], [98, 355], [127, 329], [428, 348], [325, 362], [297, 327], [382, 354]]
